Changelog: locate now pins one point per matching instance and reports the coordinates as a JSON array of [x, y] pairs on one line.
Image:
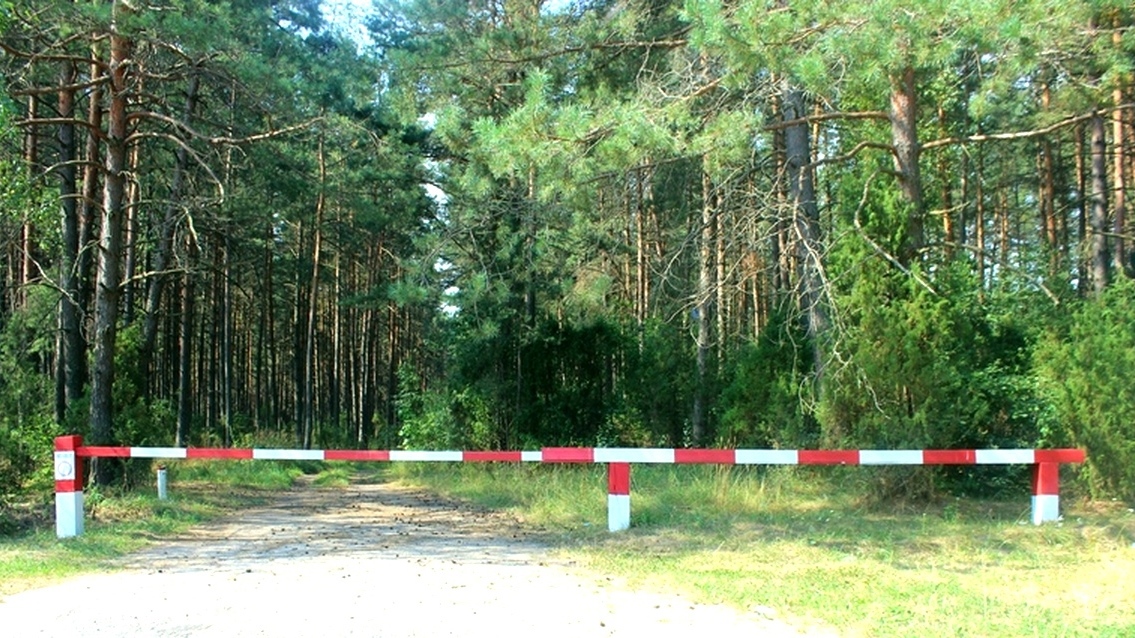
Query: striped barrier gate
[[70, 452]]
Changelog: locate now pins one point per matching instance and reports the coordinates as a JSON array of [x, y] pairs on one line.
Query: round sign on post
[[68, 487], [65, 466]]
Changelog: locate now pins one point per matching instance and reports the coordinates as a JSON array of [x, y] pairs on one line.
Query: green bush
[[765, 404], [1087, 372], [27, 399]]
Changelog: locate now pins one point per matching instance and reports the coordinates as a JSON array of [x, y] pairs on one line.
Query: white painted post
[[163, 483], [1046, 493], [618, 497], [68, 487]]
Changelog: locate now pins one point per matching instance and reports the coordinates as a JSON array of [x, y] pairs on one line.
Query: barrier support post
[[163, 483], [68, 487], [1046, 493], [618, 497]]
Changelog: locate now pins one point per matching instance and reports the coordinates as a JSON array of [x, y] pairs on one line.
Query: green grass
[[803, 544], [807, 545], [119, 522]]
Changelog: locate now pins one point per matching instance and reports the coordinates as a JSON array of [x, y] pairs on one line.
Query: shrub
[[1087, 372]]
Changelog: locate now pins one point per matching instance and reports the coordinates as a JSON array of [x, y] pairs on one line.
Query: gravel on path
[[375, 559]]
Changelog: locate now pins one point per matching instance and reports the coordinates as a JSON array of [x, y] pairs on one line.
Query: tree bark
[[979, 221], [702, 307], [904, 138], [72, 355], [226, 399], [26, 264], [163, 251], [949, 230], [1047, 194], [185, 349], [1098, 244], [130, 233], [806, 227], [91, 182], [108, 284], [313, 303], [1083, 276], [334, 408], [1122, 264]]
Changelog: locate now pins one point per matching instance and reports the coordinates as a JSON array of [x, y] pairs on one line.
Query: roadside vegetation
[[811, 546], [122, 520], [814, 546], [678, 223]]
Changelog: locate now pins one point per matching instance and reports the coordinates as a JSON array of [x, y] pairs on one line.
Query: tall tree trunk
[[91, 181], [298, 346], [904, 138], [263, 414], [130, 233], [642, 284], [313, 303], [1098, 248], [334, 407], [26, 263], [226, 399], [779, 236], [720, 302], [108, 279], [392, 363], [226, 274], [949, 231], [806, 226], [163, 251], [1003, 236], [1083, 276], [979, 220], [185, 347], [703, 301], [1047, 193], [1121, 264], [72, 355]]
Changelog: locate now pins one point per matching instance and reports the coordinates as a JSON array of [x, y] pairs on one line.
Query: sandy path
[[368, 560]]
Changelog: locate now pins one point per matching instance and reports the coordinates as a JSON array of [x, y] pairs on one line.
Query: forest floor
[[374, 558]]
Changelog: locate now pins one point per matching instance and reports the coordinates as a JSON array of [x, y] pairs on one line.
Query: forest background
[[515, 223]]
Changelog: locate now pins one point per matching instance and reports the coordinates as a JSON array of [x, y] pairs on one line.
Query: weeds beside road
[[802, 543], [796, 544]]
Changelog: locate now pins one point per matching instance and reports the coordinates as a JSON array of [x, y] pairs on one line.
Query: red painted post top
[[71, 442], [68, 463]]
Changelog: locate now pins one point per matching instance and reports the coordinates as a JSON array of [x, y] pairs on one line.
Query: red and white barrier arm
[[1046, 466]]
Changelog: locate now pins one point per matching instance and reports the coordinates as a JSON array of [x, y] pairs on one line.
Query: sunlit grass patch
[[549, 496], [335, 475], [119, 522], [809, 545], [235, 473]]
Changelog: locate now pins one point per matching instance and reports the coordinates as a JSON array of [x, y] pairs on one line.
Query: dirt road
[[368, 560]]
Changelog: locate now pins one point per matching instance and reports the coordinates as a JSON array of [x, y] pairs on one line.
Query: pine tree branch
[[56, 88], [50, 121], [224, 139], [851, 154], [1024, 135], [42, 57], [833, 115]]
